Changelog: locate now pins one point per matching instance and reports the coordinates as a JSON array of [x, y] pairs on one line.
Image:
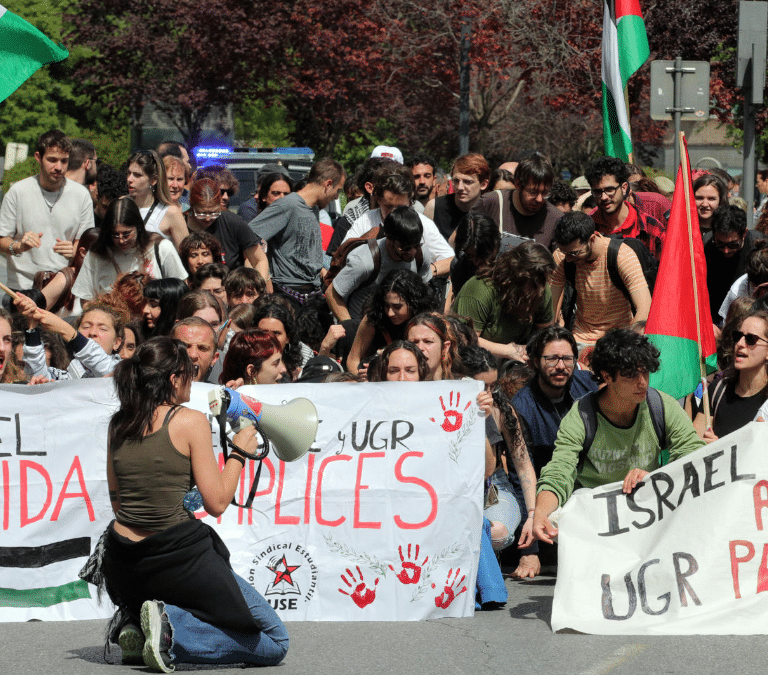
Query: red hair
[[473, 164], [252, 346]]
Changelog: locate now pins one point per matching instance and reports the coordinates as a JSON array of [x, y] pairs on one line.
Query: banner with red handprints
[[379, 521]]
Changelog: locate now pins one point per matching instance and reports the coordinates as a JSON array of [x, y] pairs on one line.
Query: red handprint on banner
[[361, 595], [411, 571], [453, 417], [449, 593]]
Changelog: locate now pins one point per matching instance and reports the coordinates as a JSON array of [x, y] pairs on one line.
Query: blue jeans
[[195, 641], [506, 511]]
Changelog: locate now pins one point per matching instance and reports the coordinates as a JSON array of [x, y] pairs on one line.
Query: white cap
[[388, 152]]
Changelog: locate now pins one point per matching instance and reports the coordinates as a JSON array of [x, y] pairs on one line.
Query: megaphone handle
[[254, 486]]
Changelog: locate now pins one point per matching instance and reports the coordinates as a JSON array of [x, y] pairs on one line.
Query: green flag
[[23, 49]]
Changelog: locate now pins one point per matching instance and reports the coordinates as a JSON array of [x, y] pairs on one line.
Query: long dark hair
[[408, 285], [271, 307], [123, 212], [520, 277], [143, 383], [168, 292]]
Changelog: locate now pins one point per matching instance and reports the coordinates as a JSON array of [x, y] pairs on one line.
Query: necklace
[[58, 194]]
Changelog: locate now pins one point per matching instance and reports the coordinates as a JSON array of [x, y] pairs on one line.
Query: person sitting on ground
[[400, 361], [737, 397], [95, 341], [627, 444]]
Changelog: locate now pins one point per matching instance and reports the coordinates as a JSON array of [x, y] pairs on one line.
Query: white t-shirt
[[741, 288], [26, 209], [98, 274], [433, 243], [153, 224]]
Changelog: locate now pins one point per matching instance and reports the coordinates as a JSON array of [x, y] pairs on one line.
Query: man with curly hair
[[632, 425]]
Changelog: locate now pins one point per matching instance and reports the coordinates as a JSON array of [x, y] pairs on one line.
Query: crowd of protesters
[[537, 287]]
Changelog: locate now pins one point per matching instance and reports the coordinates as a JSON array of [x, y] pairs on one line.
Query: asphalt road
[[515, 639]]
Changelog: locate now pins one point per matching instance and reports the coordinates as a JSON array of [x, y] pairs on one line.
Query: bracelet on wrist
[[237, 457]]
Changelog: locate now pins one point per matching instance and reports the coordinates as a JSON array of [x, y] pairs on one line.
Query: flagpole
[[630, 154], [686, 171]]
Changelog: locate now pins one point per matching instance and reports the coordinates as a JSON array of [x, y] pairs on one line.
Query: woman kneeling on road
[[160, 564]]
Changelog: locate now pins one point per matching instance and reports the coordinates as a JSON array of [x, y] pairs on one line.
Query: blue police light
[[206, 153]]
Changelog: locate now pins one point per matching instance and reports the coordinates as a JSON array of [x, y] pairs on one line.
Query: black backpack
[[588, 413]]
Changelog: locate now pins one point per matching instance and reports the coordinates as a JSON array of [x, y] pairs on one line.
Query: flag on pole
[[679, 323], [625, 49], [23, 49]]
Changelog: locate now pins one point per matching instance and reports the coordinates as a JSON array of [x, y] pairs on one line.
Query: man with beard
[[43, 216], [470, 175], [543, 402], [82, 162], [525, 210], [423, 168], [606, 297]]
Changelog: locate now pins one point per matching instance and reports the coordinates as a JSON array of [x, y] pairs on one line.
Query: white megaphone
[[291, 427]]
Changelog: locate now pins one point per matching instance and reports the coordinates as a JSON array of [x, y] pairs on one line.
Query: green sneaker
[[157, 633], [131, 641]]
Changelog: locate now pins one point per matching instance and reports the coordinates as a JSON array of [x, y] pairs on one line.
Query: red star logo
[[283, 574]]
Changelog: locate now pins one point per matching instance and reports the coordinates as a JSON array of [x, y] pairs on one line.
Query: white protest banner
[[380, 521], [684, 554]]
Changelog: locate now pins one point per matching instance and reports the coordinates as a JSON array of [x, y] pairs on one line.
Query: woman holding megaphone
[[162, 567]]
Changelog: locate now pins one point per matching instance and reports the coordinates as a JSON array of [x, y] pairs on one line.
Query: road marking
[[621, 655]]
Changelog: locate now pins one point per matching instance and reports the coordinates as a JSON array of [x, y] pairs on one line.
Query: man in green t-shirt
[[626, 444]]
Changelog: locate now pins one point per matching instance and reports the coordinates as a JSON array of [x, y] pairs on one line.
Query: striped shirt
[[600, 306]]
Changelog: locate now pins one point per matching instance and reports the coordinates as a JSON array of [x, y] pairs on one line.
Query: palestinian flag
[[625, 49], [672, 322], [23, 49]]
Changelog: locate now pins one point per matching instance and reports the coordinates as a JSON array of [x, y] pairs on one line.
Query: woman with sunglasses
[[239, 245], [736, 398], [124, 246], [148, 187]]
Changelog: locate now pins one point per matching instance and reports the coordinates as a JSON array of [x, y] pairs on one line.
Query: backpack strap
[[717, 395], [373, 247], [656, 408], [588, 413], [157, 258], [613, 269], [501, 210]]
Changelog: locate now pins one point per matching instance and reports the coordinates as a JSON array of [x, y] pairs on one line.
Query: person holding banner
[[629, 424], [160, 563]]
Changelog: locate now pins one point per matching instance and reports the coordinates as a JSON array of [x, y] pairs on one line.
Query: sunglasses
[[228, 191], [750, 338], [729, 245]]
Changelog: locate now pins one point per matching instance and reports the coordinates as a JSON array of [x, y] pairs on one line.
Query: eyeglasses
[[227, 191], [533, 194], [554, 359], [730, 245], [123, 236], [607, 191], [206, 216], [750, 338], [577, 253]]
